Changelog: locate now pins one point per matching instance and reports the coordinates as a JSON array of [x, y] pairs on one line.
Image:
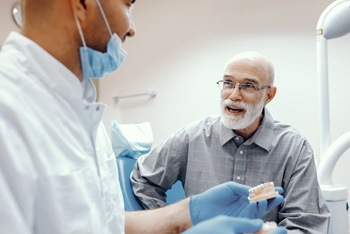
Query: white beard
[[240, 122]]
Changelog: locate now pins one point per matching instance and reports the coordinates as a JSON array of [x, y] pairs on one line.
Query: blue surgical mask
[[95, 63]]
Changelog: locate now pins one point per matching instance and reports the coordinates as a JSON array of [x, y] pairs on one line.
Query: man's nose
[[236, 94]]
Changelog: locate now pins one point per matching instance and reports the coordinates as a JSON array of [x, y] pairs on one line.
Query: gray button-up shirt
[[205, 154]]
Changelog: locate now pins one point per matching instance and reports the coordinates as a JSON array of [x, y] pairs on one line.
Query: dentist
[[58, 172]]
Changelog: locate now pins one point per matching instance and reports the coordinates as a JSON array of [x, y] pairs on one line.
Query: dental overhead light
[[334, 22]]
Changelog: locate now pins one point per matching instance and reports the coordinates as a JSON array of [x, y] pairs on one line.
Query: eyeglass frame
[[241, 86]]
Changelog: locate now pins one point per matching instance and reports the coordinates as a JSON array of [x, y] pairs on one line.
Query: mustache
[[228, 102]]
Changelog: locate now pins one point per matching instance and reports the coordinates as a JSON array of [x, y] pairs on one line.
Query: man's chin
[[230, 123], [235, 123]]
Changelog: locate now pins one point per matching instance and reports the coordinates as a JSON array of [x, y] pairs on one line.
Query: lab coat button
[[241, 152]]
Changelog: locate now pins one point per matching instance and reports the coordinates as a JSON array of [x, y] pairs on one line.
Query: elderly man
[[244, 145]]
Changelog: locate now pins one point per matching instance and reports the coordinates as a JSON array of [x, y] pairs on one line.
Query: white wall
[[6, 22], [180, 50]]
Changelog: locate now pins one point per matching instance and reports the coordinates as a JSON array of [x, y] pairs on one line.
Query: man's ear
[[79, 9], [271, 94]]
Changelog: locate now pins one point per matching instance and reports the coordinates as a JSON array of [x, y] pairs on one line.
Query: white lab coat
[[58, 173]]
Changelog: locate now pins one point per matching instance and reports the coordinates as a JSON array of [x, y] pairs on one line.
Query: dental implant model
[[262, 191], [268, 226]]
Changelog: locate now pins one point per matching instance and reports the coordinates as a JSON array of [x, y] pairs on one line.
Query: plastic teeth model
[[268, 226], [262, 191]]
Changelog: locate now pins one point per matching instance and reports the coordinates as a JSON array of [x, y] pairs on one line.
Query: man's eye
[[248, 85]]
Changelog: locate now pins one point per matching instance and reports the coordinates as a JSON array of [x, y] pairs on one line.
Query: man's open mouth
[[235, 109]]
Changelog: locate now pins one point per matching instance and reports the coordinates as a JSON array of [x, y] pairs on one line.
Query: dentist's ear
[[83, 3], [79, 9]]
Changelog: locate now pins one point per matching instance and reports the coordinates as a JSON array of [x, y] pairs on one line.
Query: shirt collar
[[46, 68], [225, 134], [264, 134]]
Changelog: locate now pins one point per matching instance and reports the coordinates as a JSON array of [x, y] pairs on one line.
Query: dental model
[[262, 191], [268, 226]]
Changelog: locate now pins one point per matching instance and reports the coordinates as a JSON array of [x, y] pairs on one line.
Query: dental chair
[[131, 202]]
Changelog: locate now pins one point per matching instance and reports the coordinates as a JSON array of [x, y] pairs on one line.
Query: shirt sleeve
[[304, 209], [155, 173]]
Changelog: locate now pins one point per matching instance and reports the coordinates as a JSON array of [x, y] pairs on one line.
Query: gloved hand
[[229, 199], [278, 230], [228, 225]]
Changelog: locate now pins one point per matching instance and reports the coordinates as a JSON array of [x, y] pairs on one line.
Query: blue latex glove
[[278, 230], [228, 225], [229, 199]]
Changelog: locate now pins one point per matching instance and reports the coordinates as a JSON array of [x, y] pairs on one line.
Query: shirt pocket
[[70, 203]]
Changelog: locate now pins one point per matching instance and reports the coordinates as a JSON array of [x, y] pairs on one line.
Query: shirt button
[[241, 152], [237, 138], [238, 178]]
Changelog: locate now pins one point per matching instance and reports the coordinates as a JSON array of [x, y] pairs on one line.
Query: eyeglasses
[[229, 86]]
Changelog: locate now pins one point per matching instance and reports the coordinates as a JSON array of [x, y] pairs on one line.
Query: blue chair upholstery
[[131, 203], [125, 167]]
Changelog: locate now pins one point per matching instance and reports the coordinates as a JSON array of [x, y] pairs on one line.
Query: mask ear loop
[[117, 40], [80, 30], [83, 41], [104, 17]]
